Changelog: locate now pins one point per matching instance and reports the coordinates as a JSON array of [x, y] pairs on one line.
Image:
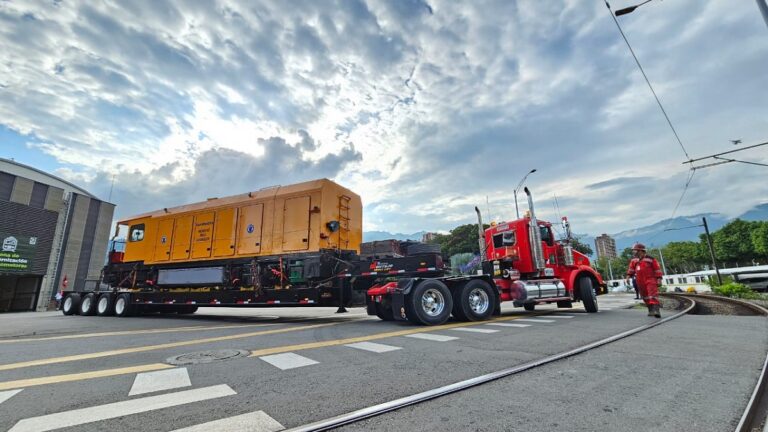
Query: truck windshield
[[504, 239]]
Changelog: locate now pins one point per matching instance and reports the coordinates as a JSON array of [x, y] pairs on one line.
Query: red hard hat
[[638, 246]]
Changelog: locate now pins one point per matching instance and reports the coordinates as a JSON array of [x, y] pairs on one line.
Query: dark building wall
[[20, 220]]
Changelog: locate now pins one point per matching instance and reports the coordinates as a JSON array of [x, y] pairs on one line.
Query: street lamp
[[517, 211], [630, 9]]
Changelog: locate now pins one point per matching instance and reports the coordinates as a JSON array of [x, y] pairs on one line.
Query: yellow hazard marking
[[134, 332], [7, 385], [87, 356]]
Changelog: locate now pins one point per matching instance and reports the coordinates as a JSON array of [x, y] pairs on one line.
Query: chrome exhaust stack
[[537, 252], [480, 235]]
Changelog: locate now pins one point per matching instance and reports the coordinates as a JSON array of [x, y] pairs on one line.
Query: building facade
[[54, 236], [605, 246]]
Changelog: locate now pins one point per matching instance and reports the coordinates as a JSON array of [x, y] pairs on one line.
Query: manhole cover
[[206, 357]]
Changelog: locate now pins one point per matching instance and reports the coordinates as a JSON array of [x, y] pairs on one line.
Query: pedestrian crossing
[[169, 388]]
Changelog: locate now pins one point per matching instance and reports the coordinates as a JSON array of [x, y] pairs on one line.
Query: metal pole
[[712, 251], [763, 9], [610, 268], [517, 212], [661, 255]]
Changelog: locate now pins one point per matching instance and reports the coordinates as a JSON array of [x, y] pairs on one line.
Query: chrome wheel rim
[[86, 305], [67, 304], [478, 301], [432, 302], [102, 305], [119, 305]]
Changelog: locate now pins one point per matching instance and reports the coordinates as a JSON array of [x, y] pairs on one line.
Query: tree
[[733, 242], [581, 247], [760, 239], [462, 239], [683, 257]]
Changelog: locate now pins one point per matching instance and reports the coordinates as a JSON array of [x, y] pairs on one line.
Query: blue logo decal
[[250, 228]]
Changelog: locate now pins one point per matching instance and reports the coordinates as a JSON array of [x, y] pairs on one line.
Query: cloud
[[424, 108]]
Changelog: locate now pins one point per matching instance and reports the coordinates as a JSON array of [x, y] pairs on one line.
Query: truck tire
[[71, 304], [123, 306], [423, 248], [186, 310], [429, 303], [105, 306], [475, 301], [385, 313], [587, 294], [530, 307], [88, 305]]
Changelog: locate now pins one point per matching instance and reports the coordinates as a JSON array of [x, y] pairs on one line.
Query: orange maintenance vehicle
[[300, 245]]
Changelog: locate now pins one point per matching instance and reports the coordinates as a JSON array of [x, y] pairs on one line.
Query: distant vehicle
[[299, 245]]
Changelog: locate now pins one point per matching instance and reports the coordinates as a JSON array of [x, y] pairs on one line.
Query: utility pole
[[610, 268], [712, 251]]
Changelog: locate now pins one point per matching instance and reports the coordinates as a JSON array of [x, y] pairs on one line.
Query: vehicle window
[[136, 233], [503, 239], [546, 235]]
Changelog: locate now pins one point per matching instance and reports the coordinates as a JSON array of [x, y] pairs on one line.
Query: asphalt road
[[97, 373]]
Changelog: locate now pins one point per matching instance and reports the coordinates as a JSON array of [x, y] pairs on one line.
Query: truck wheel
[[476, 301], [530, 307], [587, 294], [186, 310], [385, 313], [71, 304], [105, 306], [565, 304], [123, 306], [88, 305], [429, 303]]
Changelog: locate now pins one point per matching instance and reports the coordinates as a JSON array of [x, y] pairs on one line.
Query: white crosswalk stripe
[[474, 330], [288, 361], [560, 316], [373, 347], [431, 337], [257, 421], [119, 409], [535, 320], [150, 382], [5, 395], [508, 325]]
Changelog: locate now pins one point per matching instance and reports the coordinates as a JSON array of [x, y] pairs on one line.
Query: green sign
[[16, 252]]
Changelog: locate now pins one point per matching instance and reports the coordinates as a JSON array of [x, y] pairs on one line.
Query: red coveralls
[[647, 272]]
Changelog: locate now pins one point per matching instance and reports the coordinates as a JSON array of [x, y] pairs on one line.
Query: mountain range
[[681, 228]]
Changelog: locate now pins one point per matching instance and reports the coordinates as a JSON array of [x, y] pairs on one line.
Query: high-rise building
[[605, 246]]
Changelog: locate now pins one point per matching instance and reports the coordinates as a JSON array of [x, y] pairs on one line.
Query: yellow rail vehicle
[[304, 217]]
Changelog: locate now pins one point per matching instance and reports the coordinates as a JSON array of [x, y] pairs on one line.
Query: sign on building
[[17, 252]]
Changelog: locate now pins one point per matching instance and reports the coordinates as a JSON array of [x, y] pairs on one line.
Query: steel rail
[[395, 404]]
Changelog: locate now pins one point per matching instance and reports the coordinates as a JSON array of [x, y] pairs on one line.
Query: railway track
[[751, 420]]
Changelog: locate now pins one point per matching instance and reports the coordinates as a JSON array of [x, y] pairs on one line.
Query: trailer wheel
[[565, 304], [186, 310], [105, 306], [587, 294], [71, 304], [123, 306], [530, 307], [385, 313], [88, 305], [475, 302], [429, 303]]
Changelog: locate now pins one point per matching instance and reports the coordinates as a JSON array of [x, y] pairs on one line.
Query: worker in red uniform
[[648, 274]]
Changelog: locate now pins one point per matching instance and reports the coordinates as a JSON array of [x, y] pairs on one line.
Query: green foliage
[[581, 247], [460, 260], [735, 290], [462, 239], [662, 289], [618, 266], [760, 239], [683, 257], [733, 242]]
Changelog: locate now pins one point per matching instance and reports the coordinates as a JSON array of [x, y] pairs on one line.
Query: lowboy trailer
[[299, 245]]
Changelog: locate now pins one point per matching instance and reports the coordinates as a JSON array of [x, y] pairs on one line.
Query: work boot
[[657, 311], [650, 310]]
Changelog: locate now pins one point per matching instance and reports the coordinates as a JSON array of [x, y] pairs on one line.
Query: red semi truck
[[521, 262]]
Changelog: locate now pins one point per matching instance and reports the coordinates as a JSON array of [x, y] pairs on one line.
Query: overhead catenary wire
[[647, 81]]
